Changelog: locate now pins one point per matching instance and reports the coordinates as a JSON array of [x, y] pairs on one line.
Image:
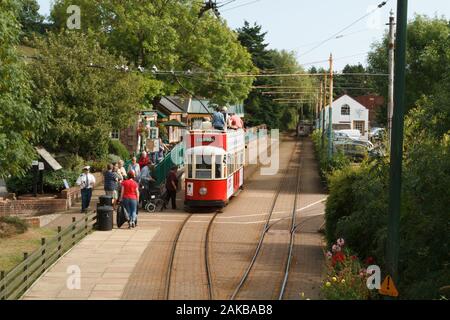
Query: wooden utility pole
[[395, 174], [323, 110], [391, 48], [330, 114], [320, 104]]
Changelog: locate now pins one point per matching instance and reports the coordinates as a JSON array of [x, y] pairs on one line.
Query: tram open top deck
[[228, 141]]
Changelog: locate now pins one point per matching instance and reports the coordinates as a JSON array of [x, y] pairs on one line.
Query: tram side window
[[230, 164], [218, 167], [203, 167]]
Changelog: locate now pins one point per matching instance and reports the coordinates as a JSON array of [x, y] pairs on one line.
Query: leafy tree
[[353, 85], [427, 58], [29, 17], [170, 36], [89, 96], [20, 125], [260, 105]]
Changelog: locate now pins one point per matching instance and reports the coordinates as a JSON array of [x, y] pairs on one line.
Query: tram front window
[[203, 167]]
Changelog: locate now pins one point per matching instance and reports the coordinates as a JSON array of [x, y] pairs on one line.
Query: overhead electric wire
[[382, 4], [241, 5]]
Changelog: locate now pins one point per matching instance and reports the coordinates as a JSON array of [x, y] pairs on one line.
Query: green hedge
[[53, 181], [117, 148], [357, 210]]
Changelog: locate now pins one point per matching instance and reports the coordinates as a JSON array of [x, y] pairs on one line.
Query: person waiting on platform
[[86, 181], [129, 197], [218, 120], [172, 187], [146, 181], [144, 160], [111, 181]]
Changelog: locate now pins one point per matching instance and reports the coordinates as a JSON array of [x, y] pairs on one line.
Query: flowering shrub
[[346, 275]]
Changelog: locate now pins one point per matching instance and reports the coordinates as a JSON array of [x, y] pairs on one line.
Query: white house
[[347, 113]]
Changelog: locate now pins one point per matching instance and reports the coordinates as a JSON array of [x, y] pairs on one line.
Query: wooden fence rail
[[14, 283]]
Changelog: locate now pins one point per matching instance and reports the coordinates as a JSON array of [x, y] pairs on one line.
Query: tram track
[[267, 226], [176, 243]]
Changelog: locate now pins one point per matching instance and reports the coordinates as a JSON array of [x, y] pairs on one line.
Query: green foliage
[[343, 83], [112, 158], [29, 17], [427, 58], [72, 162], [53, 180], [337, 162], [261, 108], [169, 35], [346, 276], [20, 125], [99, 165], [87, 102], [22, 184], [357, 205], [116, 147], [8, 223]]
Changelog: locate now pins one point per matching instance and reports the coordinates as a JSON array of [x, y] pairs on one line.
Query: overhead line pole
[[330, 114], [324, 110], [391, 74], [320, 105], [393, 239]]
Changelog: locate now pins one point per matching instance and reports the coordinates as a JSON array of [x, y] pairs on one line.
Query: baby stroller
[[152, 198]]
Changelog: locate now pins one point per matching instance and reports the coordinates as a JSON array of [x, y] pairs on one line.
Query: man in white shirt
[[86, 181]]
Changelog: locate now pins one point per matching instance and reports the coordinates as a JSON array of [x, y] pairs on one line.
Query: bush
[[98, 165], [357, 209], [116, 147], [53, 181], [112, 158], [20, 184], [338, 160], [346, 275], [10, 226], [72, 162]]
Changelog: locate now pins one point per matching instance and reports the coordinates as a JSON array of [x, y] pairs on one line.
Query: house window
[[359, 125], [345, 110], [115, 134]]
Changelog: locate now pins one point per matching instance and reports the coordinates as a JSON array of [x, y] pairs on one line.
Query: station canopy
[[174, 123]]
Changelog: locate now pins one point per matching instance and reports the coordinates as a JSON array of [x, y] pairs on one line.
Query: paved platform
[[132, 263]]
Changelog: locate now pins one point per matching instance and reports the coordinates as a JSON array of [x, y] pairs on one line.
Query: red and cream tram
[[214, 167]]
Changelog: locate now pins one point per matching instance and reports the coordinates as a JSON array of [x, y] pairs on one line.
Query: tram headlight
[[203, 191]]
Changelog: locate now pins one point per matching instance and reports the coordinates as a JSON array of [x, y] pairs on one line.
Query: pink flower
[[329, 255], [340, 242], [335, 248]]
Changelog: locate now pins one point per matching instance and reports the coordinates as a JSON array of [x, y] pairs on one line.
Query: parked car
[[377, 134], [347, 134]]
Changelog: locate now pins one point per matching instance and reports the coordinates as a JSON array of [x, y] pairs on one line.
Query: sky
[[300, 25]]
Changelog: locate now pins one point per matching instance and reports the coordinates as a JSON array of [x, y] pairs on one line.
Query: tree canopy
[[170, 36], [427, 58], [88, 95], [20, 125], [260, 105]]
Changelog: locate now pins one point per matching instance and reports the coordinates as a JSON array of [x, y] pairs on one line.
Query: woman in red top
[[129, 197]]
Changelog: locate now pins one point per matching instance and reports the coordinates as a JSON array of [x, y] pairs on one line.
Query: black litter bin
[[104, 218], [105, 201]]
